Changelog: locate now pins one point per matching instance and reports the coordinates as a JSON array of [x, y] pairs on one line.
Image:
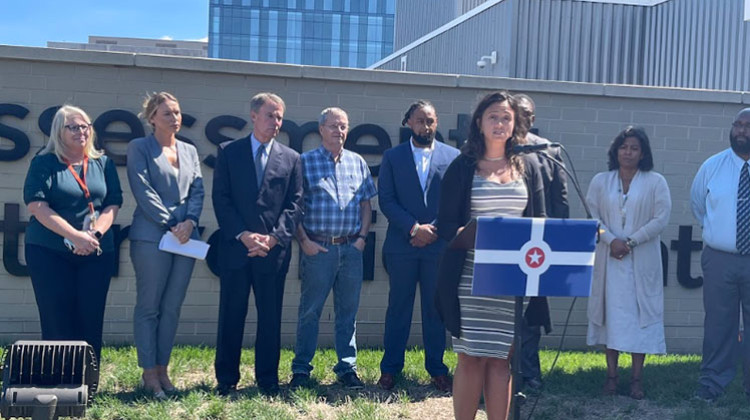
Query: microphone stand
[[518, 398]]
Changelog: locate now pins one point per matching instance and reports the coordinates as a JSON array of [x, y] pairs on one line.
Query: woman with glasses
[[73, 194], [165, 178], [626, 307]]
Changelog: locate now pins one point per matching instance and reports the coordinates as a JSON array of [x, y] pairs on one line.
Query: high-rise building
[[338, 33]]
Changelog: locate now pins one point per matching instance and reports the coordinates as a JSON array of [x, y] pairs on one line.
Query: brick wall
[[685, 126]]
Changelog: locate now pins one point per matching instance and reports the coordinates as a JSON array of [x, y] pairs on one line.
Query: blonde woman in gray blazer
[[165, 179]]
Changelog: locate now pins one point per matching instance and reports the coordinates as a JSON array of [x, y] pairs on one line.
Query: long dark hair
[[647, 161], [474, 146]]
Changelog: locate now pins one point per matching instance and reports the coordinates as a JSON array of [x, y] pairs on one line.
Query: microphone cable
[[573, 176]]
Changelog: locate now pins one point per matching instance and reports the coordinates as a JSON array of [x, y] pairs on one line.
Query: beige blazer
[[647, 212]]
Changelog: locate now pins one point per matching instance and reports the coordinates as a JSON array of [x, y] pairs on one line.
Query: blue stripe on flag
[[487, 280], [566, 280], [511, 234], [571, 235]]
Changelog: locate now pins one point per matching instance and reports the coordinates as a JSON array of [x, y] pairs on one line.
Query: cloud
[[204, 39], [166, 38]]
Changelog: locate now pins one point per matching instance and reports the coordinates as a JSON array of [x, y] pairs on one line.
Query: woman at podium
[[486, 179], [626, 307]]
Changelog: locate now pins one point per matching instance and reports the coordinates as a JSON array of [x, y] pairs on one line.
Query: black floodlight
[[48, 379]]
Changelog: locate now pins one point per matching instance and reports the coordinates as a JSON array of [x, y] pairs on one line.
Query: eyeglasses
[[741, 125], [80, 127], [335, 127]]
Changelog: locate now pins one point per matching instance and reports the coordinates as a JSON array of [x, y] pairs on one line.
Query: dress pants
[[726, 288], [161, 280], [530, 336], [404, 273], [71, 293], [268, 288]]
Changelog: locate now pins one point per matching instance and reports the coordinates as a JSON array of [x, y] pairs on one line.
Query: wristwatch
[[630, 243], [363, 237], [98, 235]]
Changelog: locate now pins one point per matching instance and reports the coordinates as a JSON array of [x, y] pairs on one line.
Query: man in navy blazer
[[257, 198], [409, 192]]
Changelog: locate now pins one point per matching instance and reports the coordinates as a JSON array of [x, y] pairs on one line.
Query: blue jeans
[[339, 269]]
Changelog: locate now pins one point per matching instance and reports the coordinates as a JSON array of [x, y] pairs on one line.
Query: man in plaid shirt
[[337, 215]]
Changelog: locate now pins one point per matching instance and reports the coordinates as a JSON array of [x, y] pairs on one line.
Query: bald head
[[739, 135], [527, 105]]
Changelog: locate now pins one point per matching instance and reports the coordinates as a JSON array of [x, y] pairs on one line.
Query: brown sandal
[[636, 389], [610, 386]]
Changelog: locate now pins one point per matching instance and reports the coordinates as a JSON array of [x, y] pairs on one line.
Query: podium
[[529, 257]]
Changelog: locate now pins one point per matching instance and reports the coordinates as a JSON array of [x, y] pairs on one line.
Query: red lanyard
[[82, 182]]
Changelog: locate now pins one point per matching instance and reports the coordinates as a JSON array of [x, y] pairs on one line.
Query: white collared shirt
[[422, 159], [713, 199]]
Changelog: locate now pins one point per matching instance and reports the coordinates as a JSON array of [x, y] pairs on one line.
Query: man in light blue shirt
[[720, 198]]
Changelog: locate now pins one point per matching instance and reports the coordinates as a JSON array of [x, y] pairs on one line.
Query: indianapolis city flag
[[533, 257]]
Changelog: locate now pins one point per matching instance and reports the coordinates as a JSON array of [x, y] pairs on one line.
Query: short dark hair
[[647, 161], [475, 147]]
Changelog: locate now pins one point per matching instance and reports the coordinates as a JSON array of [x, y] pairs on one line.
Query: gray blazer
[[163, 198]]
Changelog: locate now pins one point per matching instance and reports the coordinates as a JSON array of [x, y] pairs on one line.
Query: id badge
[[90, 221]]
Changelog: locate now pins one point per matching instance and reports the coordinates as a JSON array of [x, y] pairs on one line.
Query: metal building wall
[[578, 41], [458, 49], [698, 44], [416, 18], [702, 44]]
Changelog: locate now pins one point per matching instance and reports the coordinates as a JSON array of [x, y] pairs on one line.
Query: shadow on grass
[[665, 383]]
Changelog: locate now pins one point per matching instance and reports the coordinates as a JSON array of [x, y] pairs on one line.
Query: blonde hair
[[55, 144], [152, 102]]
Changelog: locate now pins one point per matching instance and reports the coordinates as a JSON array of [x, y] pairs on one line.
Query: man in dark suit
[[257, 197], [410, 201], [556, 205]]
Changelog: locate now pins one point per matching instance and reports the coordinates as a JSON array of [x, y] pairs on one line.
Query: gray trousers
[[726, 288], [162, 280]]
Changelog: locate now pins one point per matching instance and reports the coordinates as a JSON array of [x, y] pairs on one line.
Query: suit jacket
[[275, 208], [163, 198], [554, 180], [401, 198]]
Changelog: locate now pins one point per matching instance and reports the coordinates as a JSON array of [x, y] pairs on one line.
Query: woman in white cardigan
[[626, 307]]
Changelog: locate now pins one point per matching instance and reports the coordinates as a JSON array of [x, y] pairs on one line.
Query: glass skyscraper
[[338, 33]]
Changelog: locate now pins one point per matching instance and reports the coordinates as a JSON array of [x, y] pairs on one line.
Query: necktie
[[259, 167], [743, 212]]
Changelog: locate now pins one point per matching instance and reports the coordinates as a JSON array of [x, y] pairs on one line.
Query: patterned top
[[333, 191], [487, 322]]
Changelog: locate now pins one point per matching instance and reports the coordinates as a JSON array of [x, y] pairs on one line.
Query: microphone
[[531, 148]]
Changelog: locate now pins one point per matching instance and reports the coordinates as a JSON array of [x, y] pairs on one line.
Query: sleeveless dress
[[487, 322]]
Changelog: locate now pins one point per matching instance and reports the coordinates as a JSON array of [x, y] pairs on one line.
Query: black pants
[[71, 293], [530, 351], [233, 302]]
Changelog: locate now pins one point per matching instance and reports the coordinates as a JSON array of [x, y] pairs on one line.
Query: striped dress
[[487, 323]]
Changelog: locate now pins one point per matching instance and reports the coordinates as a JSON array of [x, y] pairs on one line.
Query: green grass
[[572, 390]]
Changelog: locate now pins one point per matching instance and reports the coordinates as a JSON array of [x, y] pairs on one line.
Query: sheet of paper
[[192, 248]]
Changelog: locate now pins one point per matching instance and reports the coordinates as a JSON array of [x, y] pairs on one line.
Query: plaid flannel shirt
[[333, 192]]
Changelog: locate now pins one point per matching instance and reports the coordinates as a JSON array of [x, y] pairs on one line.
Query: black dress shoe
[[269, 390], [299, 380], [387, 381], [533, 383], [226, 390], [351, 381]]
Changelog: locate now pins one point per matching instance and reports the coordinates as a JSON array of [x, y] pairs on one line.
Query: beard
[[423, 140], [741, 147]]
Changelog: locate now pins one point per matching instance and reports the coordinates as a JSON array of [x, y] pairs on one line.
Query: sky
[[34, 22]]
